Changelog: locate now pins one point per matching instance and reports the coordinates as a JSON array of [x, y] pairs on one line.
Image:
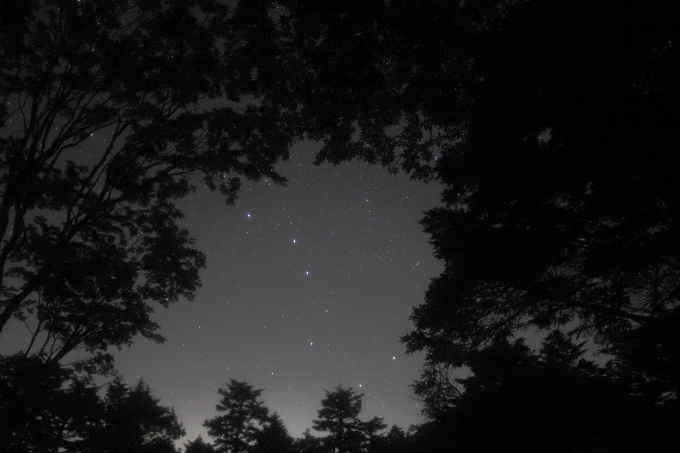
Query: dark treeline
[[515, 399], [552, 125]]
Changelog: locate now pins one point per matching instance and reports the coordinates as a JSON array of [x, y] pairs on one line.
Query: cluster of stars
[[321, 279]]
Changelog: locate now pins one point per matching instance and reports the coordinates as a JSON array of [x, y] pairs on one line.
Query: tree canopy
[[44, 409], [198, 445], [561, 195], [111, 111], [550, 124], [245, 426], [242, 420], [274, 438], [339, 417], [516, 400]]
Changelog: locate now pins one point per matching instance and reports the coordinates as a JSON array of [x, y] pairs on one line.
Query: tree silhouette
[[553, 401], [43, 409], [32, 405], [242, 421], [550, 124], [198, 445], [309, 443], [395, 441], [102, 130], [133, 421], [274, 438], [561, 195], [339, 417]]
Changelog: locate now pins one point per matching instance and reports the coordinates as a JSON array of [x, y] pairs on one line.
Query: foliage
[[43, 409], [198, 445], [245, 426], [274, 438], [339, 417], [135, 422], [309, 443], [395, 441], [357, 72], [554, 401], [111, 111], [242, 421], [572, 225], [561, 195], [33, 409], [550, 124]]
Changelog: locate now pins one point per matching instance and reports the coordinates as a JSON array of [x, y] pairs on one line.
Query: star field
[[307, 286]]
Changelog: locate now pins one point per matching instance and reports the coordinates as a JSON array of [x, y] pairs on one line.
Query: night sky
[[307, 287]]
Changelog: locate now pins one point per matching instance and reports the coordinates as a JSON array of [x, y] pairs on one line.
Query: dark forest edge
[[514, 400], [549, 122]]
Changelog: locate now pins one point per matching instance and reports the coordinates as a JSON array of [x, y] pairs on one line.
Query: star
[[349, 272]]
